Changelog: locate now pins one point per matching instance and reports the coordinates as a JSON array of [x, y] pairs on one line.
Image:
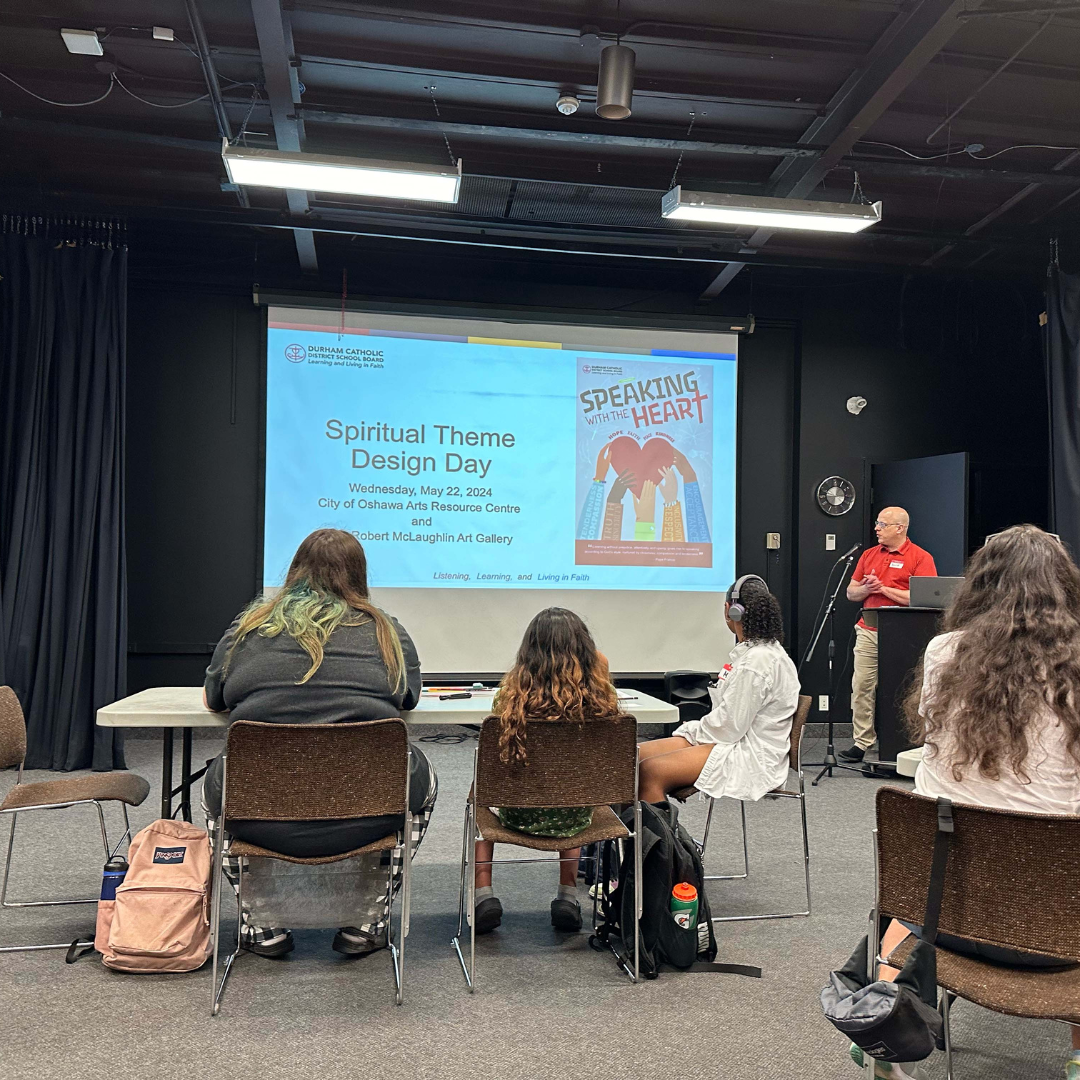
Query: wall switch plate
[[830, 541], [823, 703], [772, 541]]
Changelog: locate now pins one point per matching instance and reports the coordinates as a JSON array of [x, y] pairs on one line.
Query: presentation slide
[[470, 456]]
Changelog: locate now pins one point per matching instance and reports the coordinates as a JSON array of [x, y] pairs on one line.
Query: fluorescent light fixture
[[82, 42], [341, 175], [767, 213]]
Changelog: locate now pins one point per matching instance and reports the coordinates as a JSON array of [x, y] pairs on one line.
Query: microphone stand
[[831, 761]]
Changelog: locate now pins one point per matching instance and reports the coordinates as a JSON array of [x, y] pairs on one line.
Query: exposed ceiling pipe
[[202, 47]]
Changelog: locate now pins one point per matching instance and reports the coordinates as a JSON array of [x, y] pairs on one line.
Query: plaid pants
[[374, 931]]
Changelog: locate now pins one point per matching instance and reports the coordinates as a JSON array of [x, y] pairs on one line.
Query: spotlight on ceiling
[[82, 42], [615, 83], [341, 175], [709, 207], [567, 104]]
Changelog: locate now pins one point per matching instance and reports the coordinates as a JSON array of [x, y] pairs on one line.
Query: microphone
[[850, 551]]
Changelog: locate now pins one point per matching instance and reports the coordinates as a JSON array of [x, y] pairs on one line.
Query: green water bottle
[[684, 905]]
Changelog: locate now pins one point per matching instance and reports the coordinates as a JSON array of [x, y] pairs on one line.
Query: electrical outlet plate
[[823, 702], [830, 541], [772, 541]]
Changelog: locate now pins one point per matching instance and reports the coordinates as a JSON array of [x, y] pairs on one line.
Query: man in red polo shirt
[[880, 580]]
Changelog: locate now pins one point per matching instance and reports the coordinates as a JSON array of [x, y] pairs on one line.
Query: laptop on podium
[[933, 592]]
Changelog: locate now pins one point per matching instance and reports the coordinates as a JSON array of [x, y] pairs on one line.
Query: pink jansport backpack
[[160, 919]]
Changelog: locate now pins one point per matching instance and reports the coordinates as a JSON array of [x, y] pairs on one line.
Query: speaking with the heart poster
[[644, 463]]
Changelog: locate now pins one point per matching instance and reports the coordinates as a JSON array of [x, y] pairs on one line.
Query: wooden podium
[[903, 634]]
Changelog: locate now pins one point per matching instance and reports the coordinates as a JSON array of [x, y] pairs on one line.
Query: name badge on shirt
[[897, 565], [724, 673]]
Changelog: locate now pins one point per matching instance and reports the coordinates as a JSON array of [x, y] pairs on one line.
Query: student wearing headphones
[[740, 749]]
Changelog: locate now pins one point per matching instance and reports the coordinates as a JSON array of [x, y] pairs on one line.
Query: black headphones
[[735, 610]]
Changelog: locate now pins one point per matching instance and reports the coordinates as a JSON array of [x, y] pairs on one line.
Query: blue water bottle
[[113, 875]]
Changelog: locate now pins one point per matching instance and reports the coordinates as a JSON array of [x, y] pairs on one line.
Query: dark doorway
[[934, 491]]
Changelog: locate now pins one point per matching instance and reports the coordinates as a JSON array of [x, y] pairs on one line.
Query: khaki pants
[[863, 687]]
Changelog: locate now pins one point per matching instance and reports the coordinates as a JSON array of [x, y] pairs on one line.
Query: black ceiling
[[935, 104]]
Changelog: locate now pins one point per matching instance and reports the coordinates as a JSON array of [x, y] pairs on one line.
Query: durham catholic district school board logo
[[295, 353]]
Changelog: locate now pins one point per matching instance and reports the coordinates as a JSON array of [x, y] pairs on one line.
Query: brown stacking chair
[[1010, 881], [569, 764], [126, 788], [798, 722], [313, 772]]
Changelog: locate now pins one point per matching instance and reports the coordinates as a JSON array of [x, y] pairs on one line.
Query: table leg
[[166, 772], [185, 775]]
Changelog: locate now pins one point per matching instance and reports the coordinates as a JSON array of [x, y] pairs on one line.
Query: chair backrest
[[798, 722], [1010, 879], [315, 772], [12, 729], [568, 764]]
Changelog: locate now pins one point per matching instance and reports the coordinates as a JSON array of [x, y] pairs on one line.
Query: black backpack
[[668, 856]]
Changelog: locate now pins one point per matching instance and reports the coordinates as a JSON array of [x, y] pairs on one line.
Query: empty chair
[[128, 789], [311, 773]]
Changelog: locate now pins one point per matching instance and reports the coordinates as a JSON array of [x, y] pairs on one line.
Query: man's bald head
[[891, 526]]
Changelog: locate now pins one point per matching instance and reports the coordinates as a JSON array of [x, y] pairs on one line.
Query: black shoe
[[488, 915], [270, 949], [566, 914], [352, 942], [851, 755]]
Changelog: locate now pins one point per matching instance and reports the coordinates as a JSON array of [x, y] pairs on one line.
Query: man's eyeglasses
[[888, 524]]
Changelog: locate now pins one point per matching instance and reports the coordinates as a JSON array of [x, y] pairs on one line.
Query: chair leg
[[806, 849], [465, 910], [745, 851], [470, 909], [42, 903], [639, 900], [806, 875], [948, 1033], [403, 917], [217, 990]]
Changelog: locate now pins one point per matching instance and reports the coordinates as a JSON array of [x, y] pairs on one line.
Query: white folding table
[[172, 707]]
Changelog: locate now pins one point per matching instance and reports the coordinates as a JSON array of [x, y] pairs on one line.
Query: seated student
[[998, 704], [558, 675], [740, 749], [319, 652]]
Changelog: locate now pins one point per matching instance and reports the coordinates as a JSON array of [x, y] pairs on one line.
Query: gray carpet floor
[[545, 1004]]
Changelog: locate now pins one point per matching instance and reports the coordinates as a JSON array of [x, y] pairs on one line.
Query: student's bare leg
[[568, 866], [664, 772], [485, 852], [656, 747]]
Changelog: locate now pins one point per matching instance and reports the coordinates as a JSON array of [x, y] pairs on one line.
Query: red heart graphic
[[645, 462]]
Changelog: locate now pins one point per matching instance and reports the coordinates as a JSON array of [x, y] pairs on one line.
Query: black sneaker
[[851, 755], [566, 914], [353, 942], [488, 915], [275, 947]]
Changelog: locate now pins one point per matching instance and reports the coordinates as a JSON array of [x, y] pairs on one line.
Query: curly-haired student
[[558, 675]]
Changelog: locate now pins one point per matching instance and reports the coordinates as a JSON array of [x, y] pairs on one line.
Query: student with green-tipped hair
[[319, 652]]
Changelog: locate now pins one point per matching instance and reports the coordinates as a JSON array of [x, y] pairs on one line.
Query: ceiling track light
[[760, 212], [615, 83], [341, 175]]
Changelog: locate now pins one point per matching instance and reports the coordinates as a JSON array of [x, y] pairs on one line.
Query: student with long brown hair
[[558, 675], [997, 702], [319, 652]]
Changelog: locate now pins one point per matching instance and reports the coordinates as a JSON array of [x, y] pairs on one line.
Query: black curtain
[[1063, 381], [63, 591]]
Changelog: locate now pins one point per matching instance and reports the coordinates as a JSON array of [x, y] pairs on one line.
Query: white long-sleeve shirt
[[750, 723], [1053, 785]]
